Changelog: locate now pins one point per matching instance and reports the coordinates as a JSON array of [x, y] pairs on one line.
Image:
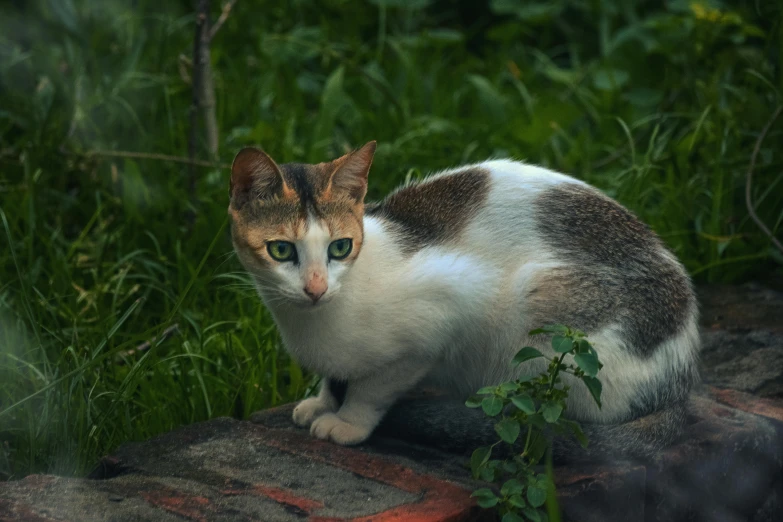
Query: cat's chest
[[331, 342]]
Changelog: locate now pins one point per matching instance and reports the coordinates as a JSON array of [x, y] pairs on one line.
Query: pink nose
[[315, 295], [315, 288]]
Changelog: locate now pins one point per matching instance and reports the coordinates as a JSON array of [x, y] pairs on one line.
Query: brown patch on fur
[[255, 175], [569, 296], [618, 269], [435, 210]]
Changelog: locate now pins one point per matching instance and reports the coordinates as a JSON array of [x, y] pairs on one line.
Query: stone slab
[[728, 465]]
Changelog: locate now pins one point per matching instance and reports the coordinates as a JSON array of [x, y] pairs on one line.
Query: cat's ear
[[351, 172], [254, 175]]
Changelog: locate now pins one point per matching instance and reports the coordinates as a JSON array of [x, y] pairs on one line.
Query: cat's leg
[[366, 402], [311, 408]]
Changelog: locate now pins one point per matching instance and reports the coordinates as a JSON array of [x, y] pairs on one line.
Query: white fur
[[451, 315]]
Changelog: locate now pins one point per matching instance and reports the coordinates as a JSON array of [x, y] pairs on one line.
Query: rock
[[742, 338], [760, 371], [727, 466], [746, 307]]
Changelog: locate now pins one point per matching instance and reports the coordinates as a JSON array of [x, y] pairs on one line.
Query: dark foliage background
[[657, 103]]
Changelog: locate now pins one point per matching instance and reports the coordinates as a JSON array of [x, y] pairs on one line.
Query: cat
[[439, 284]]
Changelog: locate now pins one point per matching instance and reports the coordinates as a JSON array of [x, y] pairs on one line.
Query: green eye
[[281, 250], [341, 248]]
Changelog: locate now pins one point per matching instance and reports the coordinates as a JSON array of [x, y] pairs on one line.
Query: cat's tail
[[449, 425]]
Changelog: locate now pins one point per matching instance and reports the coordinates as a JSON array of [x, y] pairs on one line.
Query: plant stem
[[557, 370], [527, 440]]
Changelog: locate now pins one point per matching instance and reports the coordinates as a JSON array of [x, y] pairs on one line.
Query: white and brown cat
[[439, 284]]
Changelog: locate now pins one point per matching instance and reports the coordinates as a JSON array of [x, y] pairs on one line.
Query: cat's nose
[[315, 288], [315, 295]]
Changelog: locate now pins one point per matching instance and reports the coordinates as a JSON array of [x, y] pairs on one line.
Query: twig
[[207, 93], [749, 179], [146, 345], [160, 157], [222, 19], [201, 19]]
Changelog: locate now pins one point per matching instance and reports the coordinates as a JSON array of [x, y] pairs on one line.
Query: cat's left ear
[[352, 170]]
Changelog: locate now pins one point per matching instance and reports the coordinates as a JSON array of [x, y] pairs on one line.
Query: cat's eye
[[281, 250], [340, 248]]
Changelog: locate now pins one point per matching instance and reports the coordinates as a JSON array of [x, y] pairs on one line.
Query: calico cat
[[439, 284]]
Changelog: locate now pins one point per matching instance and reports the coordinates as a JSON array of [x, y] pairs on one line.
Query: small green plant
[[531, 407]]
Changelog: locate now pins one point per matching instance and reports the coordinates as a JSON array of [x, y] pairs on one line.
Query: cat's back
[[497, 202], [442, 208]]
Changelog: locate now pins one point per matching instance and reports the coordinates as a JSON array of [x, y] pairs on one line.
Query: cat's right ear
[[254, 175]]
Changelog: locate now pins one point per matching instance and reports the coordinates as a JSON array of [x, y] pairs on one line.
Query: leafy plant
[[531, 407]]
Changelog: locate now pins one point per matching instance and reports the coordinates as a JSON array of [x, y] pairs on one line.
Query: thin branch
[[749, 180], [222, 19], [201, 18], [159, 157], [207, 92]]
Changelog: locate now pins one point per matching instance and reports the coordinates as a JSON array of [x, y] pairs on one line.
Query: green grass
[[658, 106]]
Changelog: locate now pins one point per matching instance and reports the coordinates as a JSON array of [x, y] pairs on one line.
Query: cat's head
[[297, 228]]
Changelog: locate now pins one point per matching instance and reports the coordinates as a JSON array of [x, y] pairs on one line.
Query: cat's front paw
[[331, 427], [308, 410]]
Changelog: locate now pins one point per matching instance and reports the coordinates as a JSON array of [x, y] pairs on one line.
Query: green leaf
[[525, 354], [583, 346], [532, 514], [487, 474], [576, 429], [588, 362], [529, 12], [537, 420], [508, 430], [509, 466], [487, 502], [551, 411], [536, 496], [491, 100], [550, 329], [402, 4], [479, 457], [473, 402], [508, 386], [492, 405], [512, 517], [562, 344], [486, 389], [524, 403], [644, 96], [445, 36], [517, 501], [609, 79], [595, 387], [511, 487], [537, 448], [483, 493]]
